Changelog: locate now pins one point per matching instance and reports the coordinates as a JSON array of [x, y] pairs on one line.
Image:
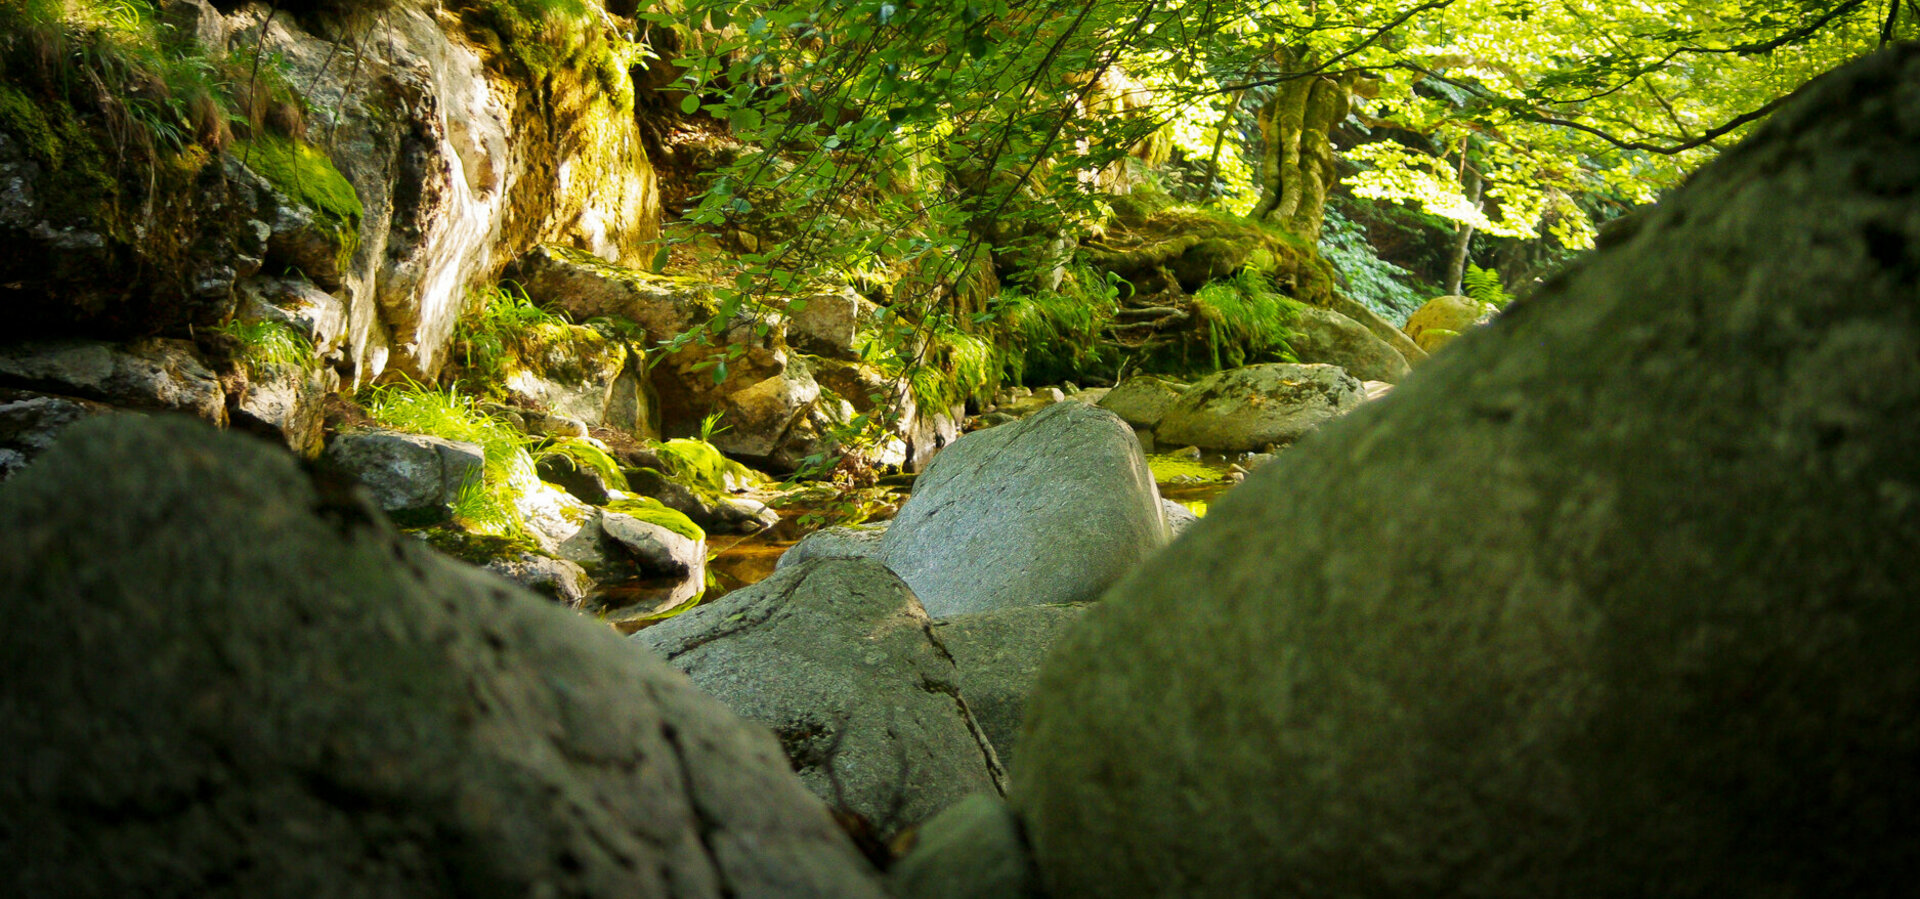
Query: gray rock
[[318, 316], [585, 286], [413, 477], [1616, 597], [998, 655], [759, 416], [271, 694], [1142, 400], [1247, 408], [287, 402], [973, 850], [154, 374], [557, 579], [838, 658], [1381, 328], [1179, 517], [828, 323], [1048, 510], [1325, 336], [30, 423], [851, 541], [715, 513], [658, 550]]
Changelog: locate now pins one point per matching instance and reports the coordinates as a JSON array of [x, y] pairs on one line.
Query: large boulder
[[840, 660], [998, 655], [1244, 409], [1439, 320], [1142, 400], [1050, 509], [1320, 335], [222, 680], [414, 477], [847, 541], [1652, 632]]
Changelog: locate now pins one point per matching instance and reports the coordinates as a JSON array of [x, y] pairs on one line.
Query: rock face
[[1244, 409], [838, 658], [1655, 626], [1047, 510], [998, 654], [218, 679], [1320, 335], [156, 374], [1141, 400]]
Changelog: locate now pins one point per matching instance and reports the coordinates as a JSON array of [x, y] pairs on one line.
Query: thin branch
[[1669, 149]]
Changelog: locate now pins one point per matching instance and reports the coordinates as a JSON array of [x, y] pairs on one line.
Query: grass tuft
[[487, 507]]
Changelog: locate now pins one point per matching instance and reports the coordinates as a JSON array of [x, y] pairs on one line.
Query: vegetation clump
[[652, 511], [486, 506]]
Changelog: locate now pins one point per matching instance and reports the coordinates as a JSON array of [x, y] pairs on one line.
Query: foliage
[[547, 36], [1247, 320], [501, 322], [305, 174], [1484, 285], [268, 345], [1051, 335], [1387, 289], [488, 505]]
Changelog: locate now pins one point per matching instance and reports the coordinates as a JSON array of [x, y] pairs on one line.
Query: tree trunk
[[1463, 237], [1297, 167]]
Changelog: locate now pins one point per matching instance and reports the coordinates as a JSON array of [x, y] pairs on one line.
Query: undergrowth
[[497, 329], [1247, 320], [268, 345]]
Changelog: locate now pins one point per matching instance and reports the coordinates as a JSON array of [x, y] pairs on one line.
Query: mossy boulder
[[1182, 247], [1439, 320], [1615, 598], [1245, 409]]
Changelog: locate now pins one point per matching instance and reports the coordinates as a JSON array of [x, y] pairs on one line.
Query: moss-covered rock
[[1185, 247]]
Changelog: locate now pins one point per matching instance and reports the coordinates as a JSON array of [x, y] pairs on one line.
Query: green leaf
[[720, 371], [690, 104]]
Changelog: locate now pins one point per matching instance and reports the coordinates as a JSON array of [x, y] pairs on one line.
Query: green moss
[[79, 174], [304, 173], [652, 511], [474, 548], [1176, 470], [586, 457], [698, 464]]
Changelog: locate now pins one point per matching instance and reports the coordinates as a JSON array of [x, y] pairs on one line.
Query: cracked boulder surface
[[837, 656], [223, 678], [1050, 509], [1652, 633]]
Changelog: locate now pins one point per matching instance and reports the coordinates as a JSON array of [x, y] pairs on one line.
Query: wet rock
[[270, 694], [153, 374], [715, 513], [837, 657], [1048, 510], [557, 579], [660, 551], [413, 477], [1325, 336], [1654, 625], [851, 541], [1247, 408], [1142, 400]]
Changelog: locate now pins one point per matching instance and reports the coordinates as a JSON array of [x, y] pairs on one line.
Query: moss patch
[[304, 173], [652, 511], [1194, 246], [1177, 470], [78, 176], [475, 549]]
